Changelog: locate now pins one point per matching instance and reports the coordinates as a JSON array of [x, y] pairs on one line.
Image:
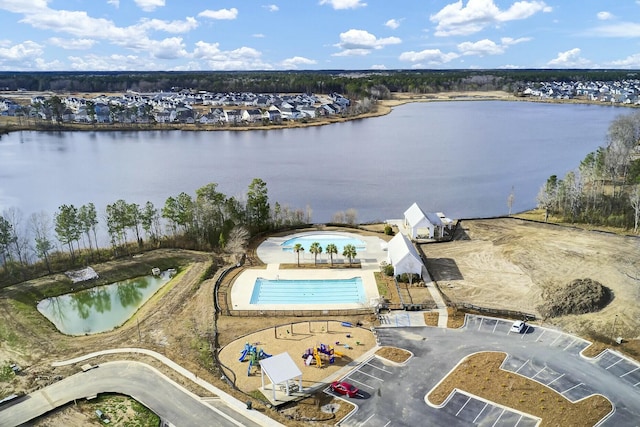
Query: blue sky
[[182, 35]]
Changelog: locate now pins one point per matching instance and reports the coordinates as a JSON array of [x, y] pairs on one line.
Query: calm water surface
[[101, 308], [461, 158]]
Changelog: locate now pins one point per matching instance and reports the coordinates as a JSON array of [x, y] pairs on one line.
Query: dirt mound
[[577, 297]]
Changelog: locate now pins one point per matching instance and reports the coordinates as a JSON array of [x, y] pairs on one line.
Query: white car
[[518, 326]]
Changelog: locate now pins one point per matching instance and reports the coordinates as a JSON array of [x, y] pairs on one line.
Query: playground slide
[[263, 355], [318, 360], [308, 361], [337, 353], [249, 368], [243, 355]]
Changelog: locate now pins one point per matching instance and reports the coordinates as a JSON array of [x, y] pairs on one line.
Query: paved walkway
[[229, 400]]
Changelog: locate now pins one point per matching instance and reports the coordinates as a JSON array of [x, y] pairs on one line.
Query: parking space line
[[568, 390], [361, 383], [480, 325], [526, 331], [498, 419], [557, 338], [388, 422], [543, 331], [369, 375], [465, 404], [481, 411], [613, 364], [538, 372], [527, 361], [636, 384], [570, 344], [495, 326], [377, 367], [371, 416], [548, 384], [518, 422], [630, 372]]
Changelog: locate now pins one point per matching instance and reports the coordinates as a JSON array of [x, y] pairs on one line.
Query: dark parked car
[[344, 388]]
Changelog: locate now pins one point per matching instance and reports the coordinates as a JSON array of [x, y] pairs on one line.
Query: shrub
[[388, 270], [404, 278], [388, 230]]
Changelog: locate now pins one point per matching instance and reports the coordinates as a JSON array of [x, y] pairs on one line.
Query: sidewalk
[[230, 401]]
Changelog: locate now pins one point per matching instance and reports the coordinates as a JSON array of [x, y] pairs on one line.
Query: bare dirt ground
[[510, 264]]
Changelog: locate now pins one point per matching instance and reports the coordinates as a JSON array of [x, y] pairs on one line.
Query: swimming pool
[[329, 291], [324, 239]]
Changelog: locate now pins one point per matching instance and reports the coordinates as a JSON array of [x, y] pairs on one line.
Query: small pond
[[102, 308]]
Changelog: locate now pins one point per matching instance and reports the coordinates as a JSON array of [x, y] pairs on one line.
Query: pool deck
[[272, 253]]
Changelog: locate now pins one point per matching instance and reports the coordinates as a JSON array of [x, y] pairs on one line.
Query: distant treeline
[[351, 83]]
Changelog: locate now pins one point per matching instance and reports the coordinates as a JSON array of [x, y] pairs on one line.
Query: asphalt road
[[135, 379], [395, 395]]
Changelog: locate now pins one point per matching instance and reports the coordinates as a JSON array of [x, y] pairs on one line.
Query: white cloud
[[23, 6], [456, 19], [569, 59], [622, 29], [481, 48], [244, 58], [392, 23], [20, 51], [605, 16], [632, 61], [488, 47], [228, 14], [432, 56], [344, 4], [291, 63], [378, 67], [361, 42], [271, 7], [72, 44], [185, 26], [149, 5], [169, 48], [111, 63], [258, 35], [114, 3]]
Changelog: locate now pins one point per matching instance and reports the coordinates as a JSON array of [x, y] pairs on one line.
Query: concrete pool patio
[[271, 252]]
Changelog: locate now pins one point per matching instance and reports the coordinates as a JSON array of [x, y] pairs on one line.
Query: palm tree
[[315, 249], [331, 249], [297, 249], [350, 252]]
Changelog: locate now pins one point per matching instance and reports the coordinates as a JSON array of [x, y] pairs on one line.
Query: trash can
[[249, 404]]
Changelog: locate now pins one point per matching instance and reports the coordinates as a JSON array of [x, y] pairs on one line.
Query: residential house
[[403, 256]]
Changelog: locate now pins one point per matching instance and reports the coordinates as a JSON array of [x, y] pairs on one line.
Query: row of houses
[[615, 92], [181, 107]]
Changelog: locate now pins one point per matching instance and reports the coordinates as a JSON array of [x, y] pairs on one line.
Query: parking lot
[[394, 395], [625, 369], [540, 335]]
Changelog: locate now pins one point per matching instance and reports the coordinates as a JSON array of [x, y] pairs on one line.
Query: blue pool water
[[335, 291], [324, 239]]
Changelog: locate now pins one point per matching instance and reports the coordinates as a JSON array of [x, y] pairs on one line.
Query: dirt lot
[[510, 263]]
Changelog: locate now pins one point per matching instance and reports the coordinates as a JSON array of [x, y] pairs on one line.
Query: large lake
[[461, 158]]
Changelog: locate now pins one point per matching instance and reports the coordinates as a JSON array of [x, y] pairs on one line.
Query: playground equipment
[[253, 354], [318, 353]]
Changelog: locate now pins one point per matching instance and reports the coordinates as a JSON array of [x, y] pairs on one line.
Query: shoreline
[[384, 107]]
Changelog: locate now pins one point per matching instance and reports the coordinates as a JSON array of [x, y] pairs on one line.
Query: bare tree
[[634, 199], [351, 216], [510, 200], [41, 226], [19, 236]]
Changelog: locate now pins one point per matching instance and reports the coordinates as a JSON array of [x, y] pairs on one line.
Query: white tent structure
[[424, 225], [403, 256], [280, 369]]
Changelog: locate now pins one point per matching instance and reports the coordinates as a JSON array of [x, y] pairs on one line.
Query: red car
[[344, 388]]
